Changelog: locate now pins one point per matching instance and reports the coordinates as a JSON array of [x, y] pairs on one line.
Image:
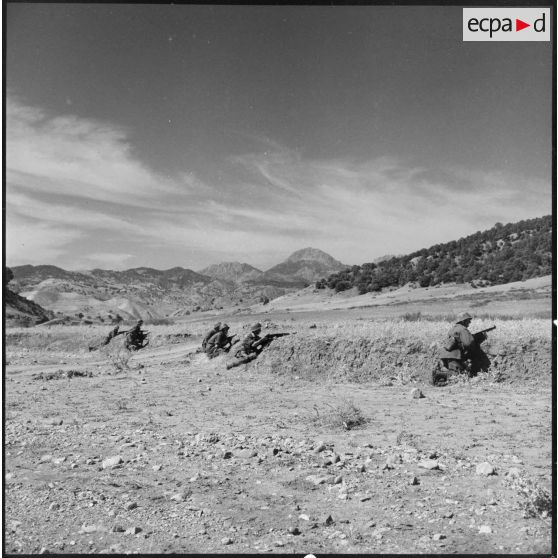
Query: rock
[[304, 517], [245, 453], [414, 481], [316, 480], [438, 537], [338, 479], [320, 446], [430, 464], [118, 529], [226, 540], [328, 520], [388, 466], [157, 467], [45, 458], [485, 469], [132, 506], [279, 543], [112, 462], [294, 530], [485, 529], [180, 497], [88, 528], [133, 530], [44, 550], [54, 506], [362, 469], [416, 393]]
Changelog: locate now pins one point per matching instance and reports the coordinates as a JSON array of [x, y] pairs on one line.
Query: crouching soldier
[[210, 334], [461, 352], [250, 347], [136, 338], [219, 343]]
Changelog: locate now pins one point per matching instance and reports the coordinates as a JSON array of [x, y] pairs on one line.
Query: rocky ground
[[176, 454]]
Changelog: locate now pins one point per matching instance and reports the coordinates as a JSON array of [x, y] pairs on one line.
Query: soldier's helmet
[[140, 322], [224, 327], [256, 327], [464, 316]]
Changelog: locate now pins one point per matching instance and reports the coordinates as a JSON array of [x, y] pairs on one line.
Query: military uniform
[[248, 345], [136, 336], [462, 346], [209, 335], [217, 343]]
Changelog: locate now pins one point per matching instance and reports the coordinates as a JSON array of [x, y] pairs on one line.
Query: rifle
[[269, 337], [480, 335]]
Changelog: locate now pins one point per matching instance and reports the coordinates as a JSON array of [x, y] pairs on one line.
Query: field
[[319, 446]]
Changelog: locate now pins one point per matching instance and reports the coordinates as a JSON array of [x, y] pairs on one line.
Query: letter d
[[540, 20]]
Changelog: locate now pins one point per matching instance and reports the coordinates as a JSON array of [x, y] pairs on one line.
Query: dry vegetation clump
[[537, 500], [344, 415]]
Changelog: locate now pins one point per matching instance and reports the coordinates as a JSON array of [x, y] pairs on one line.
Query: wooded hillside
[[502, 254]]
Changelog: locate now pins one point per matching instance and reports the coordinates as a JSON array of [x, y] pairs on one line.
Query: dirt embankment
[[363, 359]]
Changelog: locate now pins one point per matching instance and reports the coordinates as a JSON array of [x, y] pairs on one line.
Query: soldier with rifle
[[252, 345], [220, 343], [210, 334], [461, 351], [136, 337]]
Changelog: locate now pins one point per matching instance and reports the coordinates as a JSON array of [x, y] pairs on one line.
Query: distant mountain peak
[[313, 254], [232, 271]]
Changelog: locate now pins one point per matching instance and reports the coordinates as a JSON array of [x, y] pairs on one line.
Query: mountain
[[18, 311], [151, 294], [303, 267], [502, 254], [233, 271]]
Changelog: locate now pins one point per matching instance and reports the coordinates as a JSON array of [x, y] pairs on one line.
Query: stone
[[320, 446], [438, 537], [328, 520], [485, 529], [430, 464], [132, 506], [118, 529], [338, 479], [226, 540], [133, 531], [514, 472], [245, 453], [54, 506], [88, 528], [45, 458], [294, 530], [316, 480], [111, 462], [180, 496], [416, 393], [485, 469], [304, 517], [157, 467], [362, 469], [414, 481]]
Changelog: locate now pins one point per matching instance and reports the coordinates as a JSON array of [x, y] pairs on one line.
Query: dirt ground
[[178, 454]]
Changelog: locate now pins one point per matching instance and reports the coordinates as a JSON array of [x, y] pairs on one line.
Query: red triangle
[[519, 25]]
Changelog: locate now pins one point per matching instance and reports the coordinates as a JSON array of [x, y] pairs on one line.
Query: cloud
[[79, 157], [77, 194]]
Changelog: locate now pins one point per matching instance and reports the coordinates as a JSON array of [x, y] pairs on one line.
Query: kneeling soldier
[[219, 343]]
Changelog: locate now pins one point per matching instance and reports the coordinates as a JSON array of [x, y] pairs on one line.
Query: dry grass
[[344, 415]]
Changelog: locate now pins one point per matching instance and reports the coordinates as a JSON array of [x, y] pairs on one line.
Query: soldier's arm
[[466, 339]]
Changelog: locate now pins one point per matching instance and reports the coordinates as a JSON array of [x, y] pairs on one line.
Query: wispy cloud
[[78, 196]]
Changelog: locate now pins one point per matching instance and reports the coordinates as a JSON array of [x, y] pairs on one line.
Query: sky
[[188, 135]]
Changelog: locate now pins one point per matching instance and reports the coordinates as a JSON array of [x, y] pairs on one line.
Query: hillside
[[232, 271], [502, 254], [105, 295]]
